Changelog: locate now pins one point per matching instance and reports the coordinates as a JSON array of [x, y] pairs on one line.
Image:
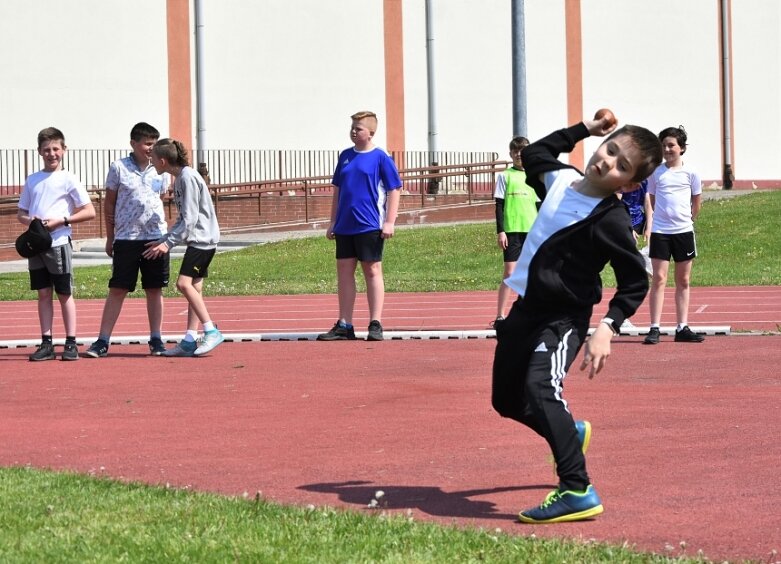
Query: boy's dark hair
[[518, 143], [647, 143], [679, 133], [50, 134], [173, 151], [143, 130]]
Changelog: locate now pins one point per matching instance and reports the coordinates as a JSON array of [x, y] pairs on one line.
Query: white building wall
[[91, 68], [286, 74], [656, 64], [756, 49]]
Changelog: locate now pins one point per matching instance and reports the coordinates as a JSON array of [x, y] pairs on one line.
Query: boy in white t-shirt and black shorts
[[676, 197], [59, 199]]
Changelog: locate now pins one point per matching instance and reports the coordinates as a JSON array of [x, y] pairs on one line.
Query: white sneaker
[[209, 340], [182, 348], [627, 325]]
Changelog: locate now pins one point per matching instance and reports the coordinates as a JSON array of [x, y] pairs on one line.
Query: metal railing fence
[[225, 166]]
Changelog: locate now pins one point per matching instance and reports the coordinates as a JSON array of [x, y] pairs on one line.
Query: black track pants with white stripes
[[533, 353]]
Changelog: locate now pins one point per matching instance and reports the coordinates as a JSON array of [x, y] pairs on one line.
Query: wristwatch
[[66, 222]]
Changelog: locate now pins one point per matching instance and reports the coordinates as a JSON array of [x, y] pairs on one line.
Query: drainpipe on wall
[[200, 89], [433, 184], [519, 68], [728, 177]]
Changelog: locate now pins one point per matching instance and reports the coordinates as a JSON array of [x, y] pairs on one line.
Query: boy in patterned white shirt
[[134, 216]]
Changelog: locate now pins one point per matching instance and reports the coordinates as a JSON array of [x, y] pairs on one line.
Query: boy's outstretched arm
[[543, 155], [597, 349]]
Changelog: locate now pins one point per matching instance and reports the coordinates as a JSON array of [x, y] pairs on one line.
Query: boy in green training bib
[[516, 210]]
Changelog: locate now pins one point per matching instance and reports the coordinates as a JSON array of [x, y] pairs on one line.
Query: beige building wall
[[92, 68], [286, 74]]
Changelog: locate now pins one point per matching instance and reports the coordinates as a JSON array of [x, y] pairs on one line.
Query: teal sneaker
[[182, 348], [560, 507], [584, 434], [209, 341]]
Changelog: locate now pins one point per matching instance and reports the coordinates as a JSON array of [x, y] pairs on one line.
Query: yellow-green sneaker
[[584, 435], [568, 505]]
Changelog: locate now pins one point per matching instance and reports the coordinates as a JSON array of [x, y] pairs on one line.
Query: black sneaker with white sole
[[98, 349], [339, 332], [686, 335], [653, 336], [156, 346], [45, 351], [70, 352], [375, 331]]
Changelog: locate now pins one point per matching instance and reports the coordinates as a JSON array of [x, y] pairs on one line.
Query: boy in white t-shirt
[[676, 197], [58, 199]]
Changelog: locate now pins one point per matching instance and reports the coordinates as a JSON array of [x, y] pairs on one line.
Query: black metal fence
[[225, 166]]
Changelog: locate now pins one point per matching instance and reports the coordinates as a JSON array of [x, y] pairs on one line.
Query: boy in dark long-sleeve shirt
[[581, 227]]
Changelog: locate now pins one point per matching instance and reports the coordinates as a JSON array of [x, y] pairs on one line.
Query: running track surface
[[685, 449], [756, 308]]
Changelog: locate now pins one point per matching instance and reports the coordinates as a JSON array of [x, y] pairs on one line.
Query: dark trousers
[[533, 353]]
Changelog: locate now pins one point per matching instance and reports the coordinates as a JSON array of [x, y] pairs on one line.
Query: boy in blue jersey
[[363, 213]]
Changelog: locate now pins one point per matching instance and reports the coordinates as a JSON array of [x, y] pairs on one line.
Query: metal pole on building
[[433, 186], [200, 91], [728, 175], [520, 125]]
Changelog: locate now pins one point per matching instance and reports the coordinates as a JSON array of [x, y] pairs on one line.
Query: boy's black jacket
[[564, 272]]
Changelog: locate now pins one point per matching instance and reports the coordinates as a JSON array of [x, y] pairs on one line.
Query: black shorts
[[514, 245], [366, 247], [128, 260], [196, 262], [680, 246], [639, 228], [53, 267]]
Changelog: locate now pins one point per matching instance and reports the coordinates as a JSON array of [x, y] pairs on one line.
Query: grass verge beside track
[[737, 241], [63, 517]]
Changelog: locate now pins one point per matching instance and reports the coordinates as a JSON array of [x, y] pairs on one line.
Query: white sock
[[209, 326], [190, 336]]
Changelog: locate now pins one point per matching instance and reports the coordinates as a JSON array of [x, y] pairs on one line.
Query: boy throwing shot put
[[581, 226]]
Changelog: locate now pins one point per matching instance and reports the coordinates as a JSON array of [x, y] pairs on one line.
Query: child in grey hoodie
[[197, 227]]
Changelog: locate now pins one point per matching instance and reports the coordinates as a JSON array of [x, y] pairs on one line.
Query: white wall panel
[[92, 68], [287, 74]]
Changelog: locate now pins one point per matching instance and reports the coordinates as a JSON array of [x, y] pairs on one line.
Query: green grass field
[[737, 242], [60, 517]]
